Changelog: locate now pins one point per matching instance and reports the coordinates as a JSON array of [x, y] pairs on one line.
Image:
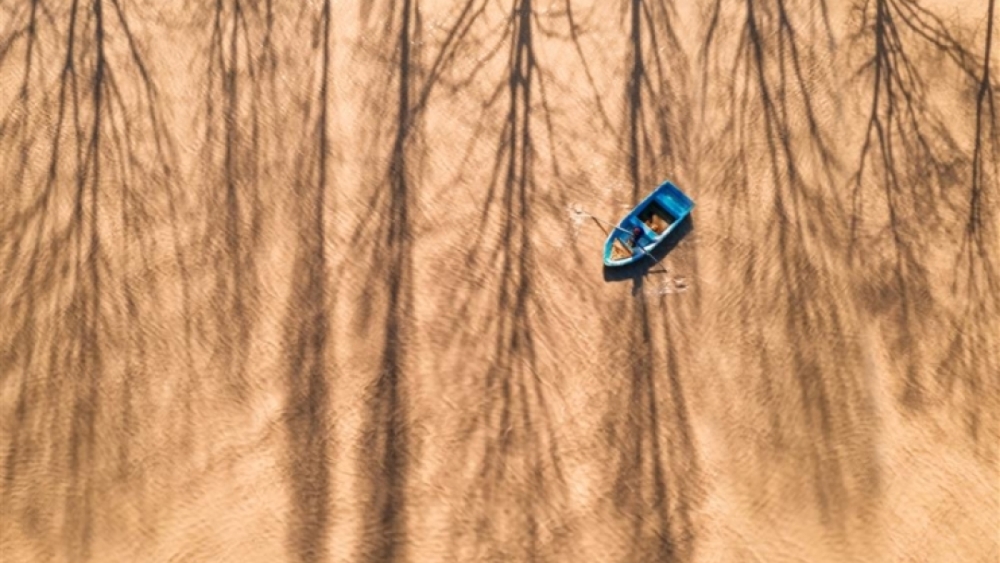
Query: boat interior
[[654, 219]]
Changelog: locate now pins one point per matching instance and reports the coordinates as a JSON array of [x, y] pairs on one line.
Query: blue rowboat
[[655, 217]]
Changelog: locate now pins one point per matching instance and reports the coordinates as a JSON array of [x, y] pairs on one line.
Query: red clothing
[[636, 233]]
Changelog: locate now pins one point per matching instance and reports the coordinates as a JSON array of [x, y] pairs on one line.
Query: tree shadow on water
[[510, 459], [654, 483], [308, 326], [408, 84], [389, 230], [911, 164], [964, 368], [239, 64], [91, 182], [776, 137]]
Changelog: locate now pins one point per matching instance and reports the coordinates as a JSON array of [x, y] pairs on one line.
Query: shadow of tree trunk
[[965, 369], [386, 437], [911, 157], [656, 471], [240, 63], [307, 329], [780, 154], [81, 204], [510, 463]]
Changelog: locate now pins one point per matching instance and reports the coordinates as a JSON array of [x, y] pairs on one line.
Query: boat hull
[[657, 215]]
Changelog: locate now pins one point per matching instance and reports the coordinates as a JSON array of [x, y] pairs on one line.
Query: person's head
[[636, 231]]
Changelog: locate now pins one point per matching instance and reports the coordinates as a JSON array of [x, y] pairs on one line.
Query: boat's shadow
[[647, 265]]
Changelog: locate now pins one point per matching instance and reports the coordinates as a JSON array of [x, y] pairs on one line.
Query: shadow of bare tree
[[239, 63], [388, 229], [976, 276], [655, 483], [911, 165], [778, 82], [513, 480], [307, 326], [82, 203]]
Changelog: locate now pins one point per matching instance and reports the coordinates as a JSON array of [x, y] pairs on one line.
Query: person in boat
[[634, 240]]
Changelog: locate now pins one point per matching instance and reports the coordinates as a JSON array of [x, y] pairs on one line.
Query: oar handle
[[613, 226]]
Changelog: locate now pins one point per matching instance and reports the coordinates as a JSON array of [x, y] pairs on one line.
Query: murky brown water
[[319, 282]]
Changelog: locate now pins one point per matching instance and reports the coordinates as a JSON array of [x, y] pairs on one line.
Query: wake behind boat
[[647, 225]]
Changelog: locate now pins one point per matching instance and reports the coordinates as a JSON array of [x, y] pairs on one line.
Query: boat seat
[[619, 251], [656, 224]]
